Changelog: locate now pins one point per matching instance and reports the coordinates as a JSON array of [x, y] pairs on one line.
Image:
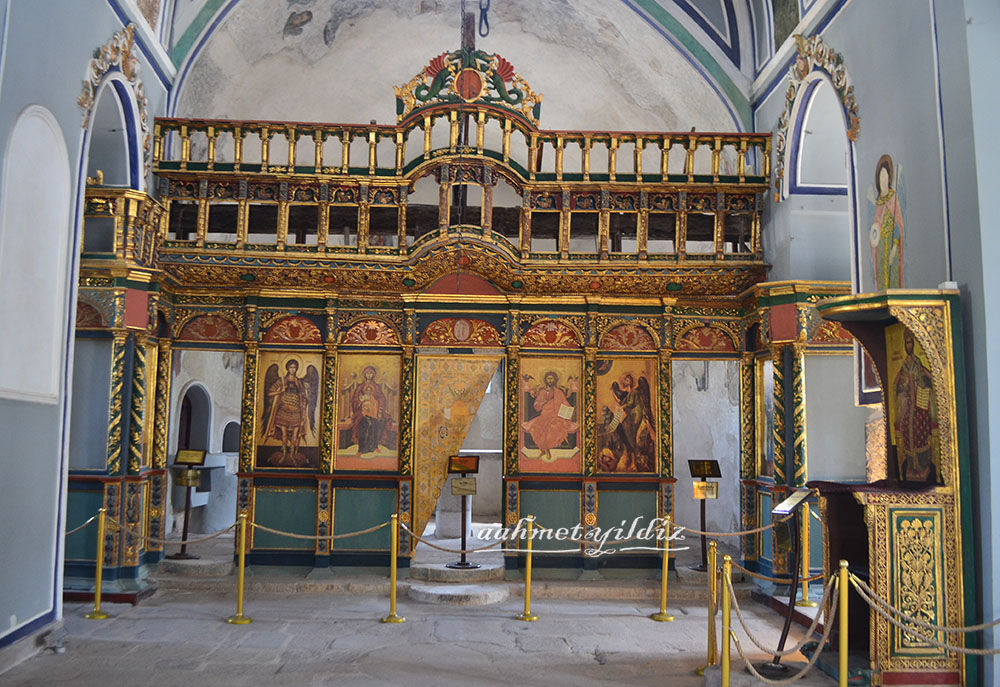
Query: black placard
[[703, 469]]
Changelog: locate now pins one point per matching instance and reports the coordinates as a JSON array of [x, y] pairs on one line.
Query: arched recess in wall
[[231, 437], [819, 178], [114, 146], [115, 110], [195, 422], [34, 247], [815, 67]]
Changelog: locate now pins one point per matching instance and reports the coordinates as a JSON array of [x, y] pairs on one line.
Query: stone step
[[197, 567], [438, 572], [459, 594]]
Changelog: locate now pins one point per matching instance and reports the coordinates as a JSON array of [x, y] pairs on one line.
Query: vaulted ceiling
[[600, 64]]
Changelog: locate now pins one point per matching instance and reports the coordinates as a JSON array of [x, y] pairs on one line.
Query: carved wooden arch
[[293, 329], [552, 333], [88, 316], [370, 331], [436, 168], [704, 336], [460, 331], [207, 327], [627, 335]]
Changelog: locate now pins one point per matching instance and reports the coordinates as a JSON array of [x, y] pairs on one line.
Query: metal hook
[[484, 20]]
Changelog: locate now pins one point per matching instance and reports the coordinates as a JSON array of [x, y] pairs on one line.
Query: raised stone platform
[[460, 594]]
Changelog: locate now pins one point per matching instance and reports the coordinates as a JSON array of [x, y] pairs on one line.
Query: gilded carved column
[[513, 409], [137, 406], [797, 411], [590, 410], [666, 451], [329, 418], [407, 399], [115, 405], [247, 408], [778, 357], [748, 453]]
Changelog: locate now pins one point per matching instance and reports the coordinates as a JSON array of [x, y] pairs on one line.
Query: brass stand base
[[700, 670], [806, 604], [662, 617], [526, 617], [393, 618], [96, 615], [239, 620]]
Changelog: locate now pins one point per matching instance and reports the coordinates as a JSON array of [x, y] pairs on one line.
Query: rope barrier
[[741, 533], [776, 580], [442, 548], [77, 529], [156, 540], [916, 621], [325, 537], [910, 629], [809, 631], [827, 630]]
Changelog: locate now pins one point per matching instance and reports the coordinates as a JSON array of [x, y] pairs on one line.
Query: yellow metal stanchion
[[713, 577], [727, 575], [97, 613], [804, 601], [239, 618], [393, 548], [663, 616], [844, 588], [527, 616]]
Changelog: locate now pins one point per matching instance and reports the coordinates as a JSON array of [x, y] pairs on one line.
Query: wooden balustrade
[[747, 160]]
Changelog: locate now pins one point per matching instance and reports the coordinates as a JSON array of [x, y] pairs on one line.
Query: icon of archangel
[[626, 434], [368, 407], [289, 435]]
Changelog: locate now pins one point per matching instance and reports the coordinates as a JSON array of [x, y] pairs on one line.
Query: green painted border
[[739, 100], [183, 45]]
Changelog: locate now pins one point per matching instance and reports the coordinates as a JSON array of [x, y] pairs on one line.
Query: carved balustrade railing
[[123, 225], [389, 150], [279, 187]]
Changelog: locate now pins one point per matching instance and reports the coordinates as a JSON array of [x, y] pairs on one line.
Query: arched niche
[[231, 437], [114, 146], [820, 157], [195, 422], [34, 248]]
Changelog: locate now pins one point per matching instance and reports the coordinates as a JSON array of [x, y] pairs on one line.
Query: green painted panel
[[618, 509], [815, 544], [81, 505], [286, 509], [552, 509], [766, 553], [359, 509]]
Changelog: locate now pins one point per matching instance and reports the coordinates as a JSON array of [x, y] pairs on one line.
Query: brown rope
[[292, 535], [737, 534], [857, 581], [776, 580], [77, 529], [441, 548], [909, 629], [155, 540]]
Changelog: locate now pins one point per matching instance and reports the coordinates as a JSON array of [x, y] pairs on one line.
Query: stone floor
[[327, 632], [180, 638]]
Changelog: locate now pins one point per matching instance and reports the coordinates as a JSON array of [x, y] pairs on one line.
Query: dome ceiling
[[598, 64]]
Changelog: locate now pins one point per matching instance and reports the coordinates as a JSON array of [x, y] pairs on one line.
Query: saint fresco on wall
[[913, 423], [886, 230], [626, 415], [368, 412], [550, 414], [287, 429]]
